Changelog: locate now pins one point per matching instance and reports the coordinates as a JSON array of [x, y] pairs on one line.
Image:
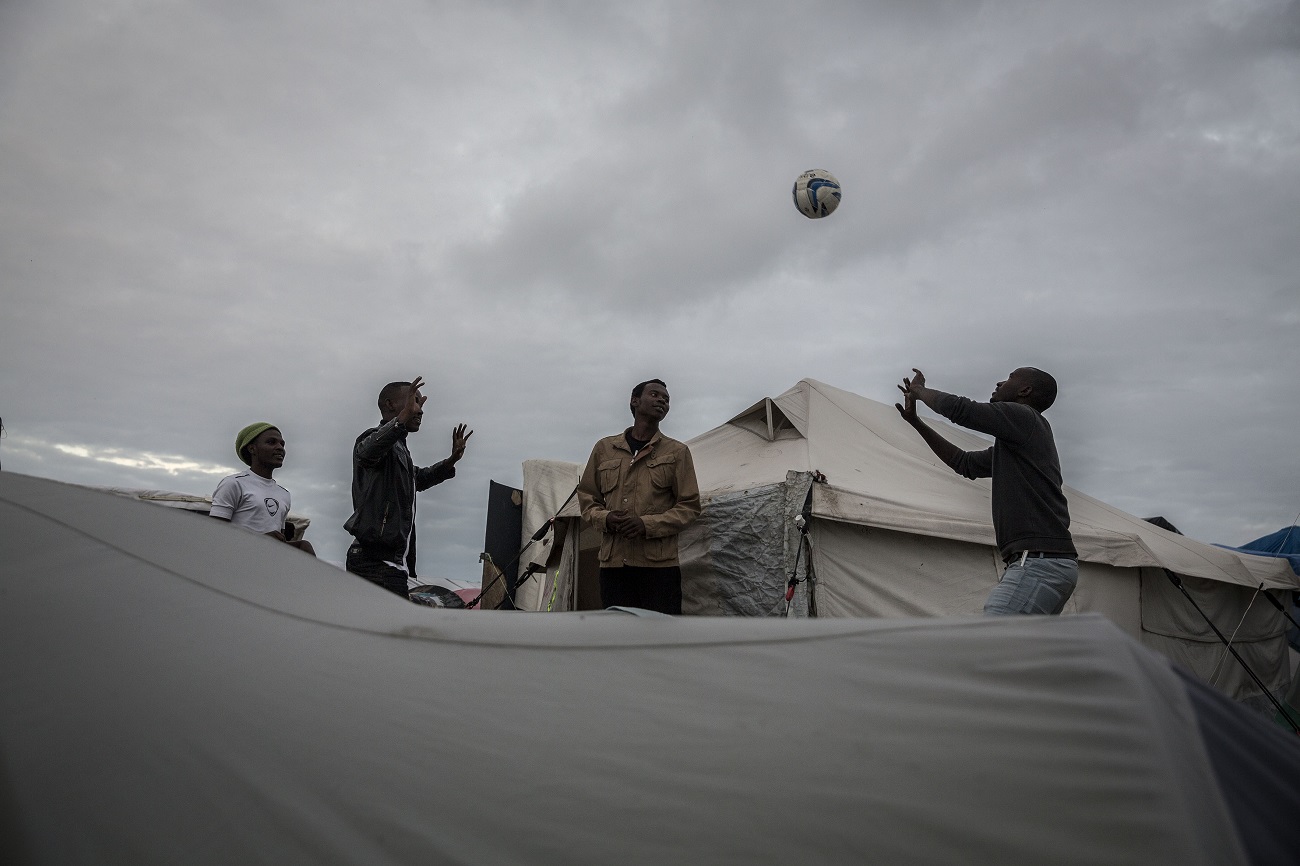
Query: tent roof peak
[[783, 417]]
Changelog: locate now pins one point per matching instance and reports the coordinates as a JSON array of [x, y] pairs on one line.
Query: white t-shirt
[[251, 502]]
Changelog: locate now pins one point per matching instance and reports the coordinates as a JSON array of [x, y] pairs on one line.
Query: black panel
[[505, 522]]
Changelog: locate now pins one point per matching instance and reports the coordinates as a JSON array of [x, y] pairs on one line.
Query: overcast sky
[[218, 213]]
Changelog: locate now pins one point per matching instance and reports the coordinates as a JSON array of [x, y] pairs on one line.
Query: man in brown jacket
[[639, 490]]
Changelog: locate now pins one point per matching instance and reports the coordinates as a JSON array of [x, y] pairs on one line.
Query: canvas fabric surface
[[248, 703]]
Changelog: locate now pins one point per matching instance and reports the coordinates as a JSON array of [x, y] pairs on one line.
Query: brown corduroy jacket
[[658, 485]]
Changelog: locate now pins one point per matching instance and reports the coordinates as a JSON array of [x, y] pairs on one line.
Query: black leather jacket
[[384, 484]]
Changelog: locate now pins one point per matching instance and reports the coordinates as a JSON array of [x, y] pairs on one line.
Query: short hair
[[1043, 394], [639, 389], [391, 391]]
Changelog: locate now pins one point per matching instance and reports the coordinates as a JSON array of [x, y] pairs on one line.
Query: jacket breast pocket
[[663, 473], [607, 475]]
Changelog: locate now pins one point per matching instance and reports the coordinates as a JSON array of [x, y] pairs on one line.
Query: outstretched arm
[[1007, 421], [914, 389], [370, 450]]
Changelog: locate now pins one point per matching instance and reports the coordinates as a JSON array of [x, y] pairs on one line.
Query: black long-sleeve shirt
[[1029, 507]]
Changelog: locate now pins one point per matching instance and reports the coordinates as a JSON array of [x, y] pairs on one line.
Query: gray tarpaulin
[[734, 557], [173, 690]]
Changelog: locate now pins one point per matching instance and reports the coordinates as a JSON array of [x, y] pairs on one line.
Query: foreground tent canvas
[[175, 690], [895, 533]]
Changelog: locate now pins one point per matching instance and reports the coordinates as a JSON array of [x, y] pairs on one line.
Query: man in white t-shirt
[[252, 500]]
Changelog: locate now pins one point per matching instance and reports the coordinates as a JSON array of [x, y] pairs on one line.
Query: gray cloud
[[215, 214]]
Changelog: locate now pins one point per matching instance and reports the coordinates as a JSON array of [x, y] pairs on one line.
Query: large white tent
[[894, 532], [176, 690]]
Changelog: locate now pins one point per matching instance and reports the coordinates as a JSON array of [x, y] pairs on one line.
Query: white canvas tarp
[[175, 690]]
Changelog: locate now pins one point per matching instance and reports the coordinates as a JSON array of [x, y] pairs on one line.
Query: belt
[[376, 551], [1036, 554]]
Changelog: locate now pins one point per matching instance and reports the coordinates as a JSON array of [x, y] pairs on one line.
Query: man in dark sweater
[[1031, 520]]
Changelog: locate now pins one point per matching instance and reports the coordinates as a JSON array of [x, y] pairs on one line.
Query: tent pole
[[1277, 604], [1176, 581]]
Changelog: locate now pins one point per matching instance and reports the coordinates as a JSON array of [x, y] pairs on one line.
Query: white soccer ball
[[816, 193]]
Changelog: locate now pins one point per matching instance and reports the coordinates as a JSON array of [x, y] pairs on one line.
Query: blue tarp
[[1284, 543]]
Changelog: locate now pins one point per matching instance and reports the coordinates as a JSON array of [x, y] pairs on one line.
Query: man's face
[[396, 406], [1008, 390], [653, 402], [267, 449]]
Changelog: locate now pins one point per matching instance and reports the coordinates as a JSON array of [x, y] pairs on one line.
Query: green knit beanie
[[246, 436]]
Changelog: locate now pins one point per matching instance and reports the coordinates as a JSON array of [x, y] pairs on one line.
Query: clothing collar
[[649, 446]]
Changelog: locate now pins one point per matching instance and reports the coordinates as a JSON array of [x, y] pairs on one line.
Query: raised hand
[[459, 436], [908, 407], [914, 385], [414, 403]]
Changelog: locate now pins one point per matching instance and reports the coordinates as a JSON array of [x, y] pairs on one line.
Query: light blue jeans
[[1038, 586]]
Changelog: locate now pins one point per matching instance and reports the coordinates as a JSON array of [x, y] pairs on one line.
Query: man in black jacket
[[384, 484], [1031, 520]]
